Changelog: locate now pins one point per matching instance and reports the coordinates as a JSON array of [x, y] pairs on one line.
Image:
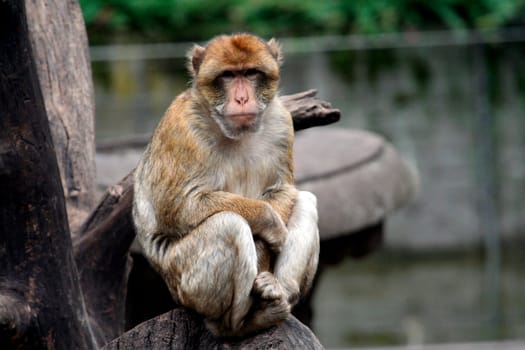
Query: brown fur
[[214, 195]]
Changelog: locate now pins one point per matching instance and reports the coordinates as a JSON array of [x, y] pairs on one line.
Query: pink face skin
[[241, 110]]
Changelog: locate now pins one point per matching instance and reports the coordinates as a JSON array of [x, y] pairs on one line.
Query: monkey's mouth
[[242, 120]]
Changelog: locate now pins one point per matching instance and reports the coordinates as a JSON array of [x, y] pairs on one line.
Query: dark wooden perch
[[59, 290], [308, 111], [183, 329]]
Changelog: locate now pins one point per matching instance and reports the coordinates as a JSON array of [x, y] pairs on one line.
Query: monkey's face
[[240, 105], [238, 77]]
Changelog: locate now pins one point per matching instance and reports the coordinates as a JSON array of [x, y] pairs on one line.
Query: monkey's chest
[[247, 182], [248, 178]]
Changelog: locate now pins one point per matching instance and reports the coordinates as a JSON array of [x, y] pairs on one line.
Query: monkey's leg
[[297, 263], [213, 269], [294, 269]]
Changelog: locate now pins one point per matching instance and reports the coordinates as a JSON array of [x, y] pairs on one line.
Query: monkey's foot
[[272, 312], [267, 287], [291, 290]]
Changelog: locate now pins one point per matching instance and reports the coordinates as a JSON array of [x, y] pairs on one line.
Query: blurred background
[[443, 81]]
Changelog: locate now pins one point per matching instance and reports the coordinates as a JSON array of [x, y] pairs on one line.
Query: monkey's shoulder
[[176, 111], [174, 131]]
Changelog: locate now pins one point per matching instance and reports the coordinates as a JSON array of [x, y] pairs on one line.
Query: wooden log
[[308, 111], [40, 298], [60, 48], [102, 254], [184, 329]]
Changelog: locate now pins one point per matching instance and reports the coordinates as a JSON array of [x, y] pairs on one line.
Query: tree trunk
[[40, 297], [60, 49]]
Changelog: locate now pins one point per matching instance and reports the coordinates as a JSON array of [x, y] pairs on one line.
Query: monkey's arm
[[282, 194], [263, 220], [282, 199]]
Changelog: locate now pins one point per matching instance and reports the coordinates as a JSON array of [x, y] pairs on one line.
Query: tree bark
[[308, 111], [40, 297], [102, 253], [60, 48], [184, 329]]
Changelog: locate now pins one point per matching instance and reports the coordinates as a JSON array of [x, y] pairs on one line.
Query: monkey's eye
[[227, 74], [252, 73]]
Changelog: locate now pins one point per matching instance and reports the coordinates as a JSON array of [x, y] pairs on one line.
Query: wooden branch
[[40, 297], [184, 329], [308, 111], [102, 254]]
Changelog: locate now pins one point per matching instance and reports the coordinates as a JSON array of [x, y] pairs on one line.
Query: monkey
[[215, 207]]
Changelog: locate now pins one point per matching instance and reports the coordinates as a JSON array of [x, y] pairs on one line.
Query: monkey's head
[[237, 76]]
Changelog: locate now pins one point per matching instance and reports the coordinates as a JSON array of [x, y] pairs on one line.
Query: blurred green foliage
[[179, 20]]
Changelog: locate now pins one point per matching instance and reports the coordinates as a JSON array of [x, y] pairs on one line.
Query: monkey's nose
[[241, 99]]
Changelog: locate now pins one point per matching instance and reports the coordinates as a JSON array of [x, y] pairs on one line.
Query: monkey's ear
[[275, 50], [195, 56]]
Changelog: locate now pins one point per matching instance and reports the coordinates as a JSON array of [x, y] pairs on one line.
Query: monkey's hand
[[272, 230], [267, 287]]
